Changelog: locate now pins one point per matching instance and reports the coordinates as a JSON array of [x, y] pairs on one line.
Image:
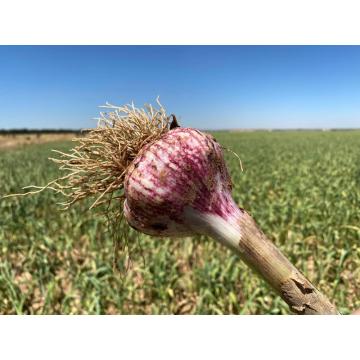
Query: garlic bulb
[[179, 186], [173, 179]]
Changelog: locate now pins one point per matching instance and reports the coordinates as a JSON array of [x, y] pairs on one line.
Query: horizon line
[[22, 129]]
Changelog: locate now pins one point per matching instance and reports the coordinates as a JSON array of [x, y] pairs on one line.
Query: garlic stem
[[241, 234]]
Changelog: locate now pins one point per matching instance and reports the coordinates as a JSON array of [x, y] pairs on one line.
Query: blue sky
[[208, 87]]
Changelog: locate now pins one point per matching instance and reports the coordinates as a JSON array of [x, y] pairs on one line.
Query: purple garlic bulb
[[179, 185]]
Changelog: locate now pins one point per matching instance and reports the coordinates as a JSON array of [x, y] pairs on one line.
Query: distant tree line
[[37, 131]]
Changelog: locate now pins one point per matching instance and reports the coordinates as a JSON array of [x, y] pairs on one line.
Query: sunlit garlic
[[174, 178]]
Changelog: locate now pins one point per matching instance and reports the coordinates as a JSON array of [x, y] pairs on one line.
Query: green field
[[303, 188]]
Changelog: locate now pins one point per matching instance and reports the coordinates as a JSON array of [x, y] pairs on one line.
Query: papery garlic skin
[[183, 173]]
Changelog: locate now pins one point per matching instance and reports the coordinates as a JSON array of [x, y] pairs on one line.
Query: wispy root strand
[[97, 165]]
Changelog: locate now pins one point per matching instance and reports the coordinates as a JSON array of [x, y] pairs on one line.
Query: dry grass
[[15, 140]]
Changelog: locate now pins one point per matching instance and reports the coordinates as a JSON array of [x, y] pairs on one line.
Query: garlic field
[[302, 187]]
